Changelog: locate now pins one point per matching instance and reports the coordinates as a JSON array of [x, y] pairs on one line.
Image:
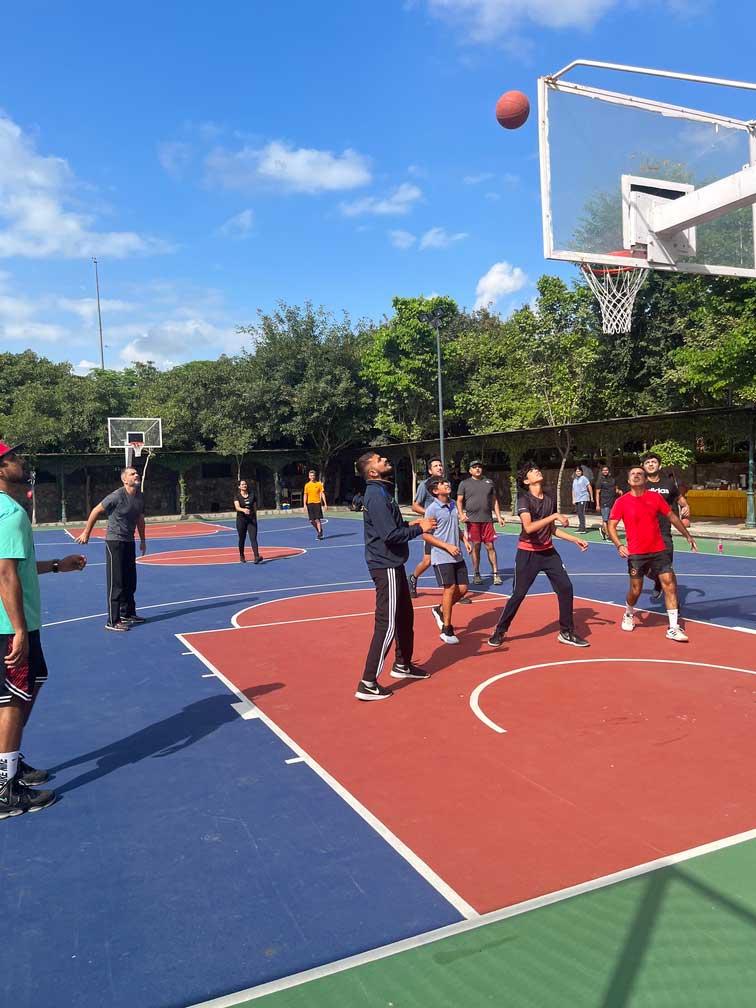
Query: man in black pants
[[124, 509], [386, 551], [536, 554], [667, 488]]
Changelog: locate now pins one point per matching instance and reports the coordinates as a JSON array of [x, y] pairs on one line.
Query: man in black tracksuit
[[386, 551]]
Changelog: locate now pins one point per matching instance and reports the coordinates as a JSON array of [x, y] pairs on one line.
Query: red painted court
[[612, 756], [219, 555], [167, 530]]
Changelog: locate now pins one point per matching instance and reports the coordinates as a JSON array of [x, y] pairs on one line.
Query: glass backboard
[[606, 157]]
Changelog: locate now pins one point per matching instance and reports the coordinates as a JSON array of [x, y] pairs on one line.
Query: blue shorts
[[605, 512]]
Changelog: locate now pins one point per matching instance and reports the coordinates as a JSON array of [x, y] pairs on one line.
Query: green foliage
[[673, 453]]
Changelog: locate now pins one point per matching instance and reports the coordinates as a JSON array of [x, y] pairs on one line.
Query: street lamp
[[99, 314], [435, 318]]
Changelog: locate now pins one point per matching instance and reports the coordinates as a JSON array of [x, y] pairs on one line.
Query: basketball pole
[[99, 316], [435, 319]]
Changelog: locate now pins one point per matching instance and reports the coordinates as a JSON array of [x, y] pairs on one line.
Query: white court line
[[294, 759], [430, 937], [213, 598], [424, 870], [744, 629], [476, 693], [655, 612]]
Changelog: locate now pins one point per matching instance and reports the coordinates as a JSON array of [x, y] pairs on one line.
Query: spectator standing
[[476, 500]]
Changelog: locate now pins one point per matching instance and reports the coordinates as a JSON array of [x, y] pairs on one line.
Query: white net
[[615, 288]]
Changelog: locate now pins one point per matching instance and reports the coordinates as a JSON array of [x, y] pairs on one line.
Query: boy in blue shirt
[[446, 556]]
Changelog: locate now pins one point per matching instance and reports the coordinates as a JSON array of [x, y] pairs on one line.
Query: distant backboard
[[125, 431], [629, 180]]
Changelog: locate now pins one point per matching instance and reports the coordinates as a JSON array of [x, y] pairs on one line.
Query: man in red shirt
[[645, 551]]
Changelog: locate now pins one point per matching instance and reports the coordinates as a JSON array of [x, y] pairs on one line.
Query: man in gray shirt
[[124, 509], [476, 499]]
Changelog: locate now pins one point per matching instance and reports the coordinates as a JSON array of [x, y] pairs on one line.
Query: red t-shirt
[[641, 518]]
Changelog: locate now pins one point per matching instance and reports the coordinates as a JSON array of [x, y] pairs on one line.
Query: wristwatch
[[56, 566]]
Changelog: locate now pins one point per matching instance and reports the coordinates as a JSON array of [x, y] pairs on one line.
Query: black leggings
[[247, 526], [528, 565]]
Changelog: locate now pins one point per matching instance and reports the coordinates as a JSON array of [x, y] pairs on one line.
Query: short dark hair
[[435, 482], [431, 461], [578, 467], [523, 471], [650, 455], [638, 465], [363, 462]]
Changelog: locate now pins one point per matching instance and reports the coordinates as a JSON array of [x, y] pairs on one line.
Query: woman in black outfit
[[245, 503]]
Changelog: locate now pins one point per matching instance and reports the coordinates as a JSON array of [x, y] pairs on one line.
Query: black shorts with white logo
[[19, 682], [448, 574], [649, 565]]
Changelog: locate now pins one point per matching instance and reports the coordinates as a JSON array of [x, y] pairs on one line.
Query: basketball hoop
[[615, 288], [136, 447]]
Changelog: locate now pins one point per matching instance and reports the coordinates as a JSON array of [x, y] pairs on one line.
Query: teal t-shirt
[[17, 543]]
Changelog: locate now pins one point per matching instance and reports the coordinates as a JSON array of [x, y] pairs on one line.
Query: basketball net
[[615, 288], [133, 450]]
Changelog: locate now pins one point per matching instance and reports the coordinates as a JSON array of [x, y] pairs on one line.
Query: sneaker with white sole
[[570, 637], [438, 616], [628, 621], [496, 639], [465, 600], [372, 691], [477, 579], [497, 580], [29, 775], [410, 671], [448, 636], [676, 633], [16, 798]]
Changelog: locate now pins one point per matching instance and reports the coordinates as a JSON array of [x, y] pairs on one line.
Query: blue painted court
[[196, 849]]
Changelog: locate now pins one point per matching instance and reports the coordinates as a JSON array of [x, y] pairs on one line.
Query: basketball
[[512, 109], [29, 494]]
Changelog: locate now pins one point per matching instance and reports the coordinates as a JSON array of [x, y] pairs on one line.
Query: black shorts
[[649, 565], [314, 511], [19, 682], [448, 574]]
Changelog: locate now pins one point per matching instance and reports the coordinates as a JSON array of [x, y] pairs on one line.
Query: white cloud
[[402, 239], [34, 219], [86, 308], [477, 179], [490, 20], [85, 366], [501, 280], [238, 226], [439, 238], [174, 156], [399, 202], [300, 169], [167, 343]]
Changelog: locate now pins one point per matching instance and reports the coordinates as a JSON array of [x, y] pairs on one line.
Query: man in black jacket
[[386, 551]]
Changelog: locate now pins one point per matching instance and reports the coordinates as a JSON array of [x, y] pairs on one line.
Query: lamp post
[[435, 318], [99, 314]]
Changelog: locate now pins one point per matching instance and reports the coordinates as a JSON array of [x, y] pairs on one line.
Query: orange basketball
[[512, 109]]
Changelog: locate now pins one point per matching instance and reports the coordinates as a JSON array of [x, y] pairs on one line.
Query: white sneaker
[[628, 621], [448, 636], [438, 616], [677, 633]]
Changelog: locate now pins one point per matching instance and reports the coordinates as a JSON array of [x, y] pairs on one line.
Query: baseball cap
[[474, 463], [7, 449]]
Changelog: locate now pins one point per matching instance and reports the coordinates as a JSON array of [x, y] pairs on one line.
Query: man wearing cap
[[24, 669], [124, 509], [476, 498]]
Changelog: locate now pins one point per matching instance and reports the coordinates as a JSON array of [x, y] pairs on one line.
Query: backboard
[[635, 181], [134, 434]]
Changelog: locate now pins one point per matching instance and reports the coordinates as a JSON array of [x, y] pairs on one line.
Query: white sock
[[629, 610], [672, 615], [8, 766]]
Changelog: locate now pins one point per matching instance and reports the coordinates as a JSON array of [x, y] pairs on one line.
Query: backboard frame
[[554, 84], [122, 431]]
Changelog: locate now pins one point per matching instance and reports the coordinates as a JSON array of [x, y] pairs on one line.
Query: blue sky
[[219, 158]]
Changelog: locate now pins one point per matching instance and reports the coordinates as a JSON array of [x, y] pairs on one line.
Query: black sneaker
[[412, 581], [133, 619], [372, 691], [120, 626], [465, 600], [496, 639], [438, 616], [259, 560], [448, 636], [16, 798], [604, 536], [242, 559], [29, 775], [569, 637], [408, 672], [656, 594], [319, 535]]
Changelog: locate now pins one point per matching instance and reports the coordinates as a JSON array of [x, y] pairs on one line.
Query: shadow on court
[[237, 601], [164, 738]]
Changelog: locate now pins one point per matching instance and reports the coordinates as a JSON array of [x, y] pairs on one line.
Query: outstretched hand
[[73, 562]]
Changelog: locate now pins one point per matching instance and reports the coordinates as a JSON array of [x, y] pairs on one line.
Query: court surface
[[563, 825]]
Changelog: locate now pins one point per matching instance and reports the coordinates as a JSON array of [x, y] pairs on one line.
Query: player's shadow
[[188, 610], [338, 535], [164, 738], [585, 618]]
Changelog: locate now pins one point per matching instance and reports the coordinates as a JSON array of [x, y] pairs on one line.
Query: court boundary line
[[476, 693], [462, 927], [424, 870], [146, 560]]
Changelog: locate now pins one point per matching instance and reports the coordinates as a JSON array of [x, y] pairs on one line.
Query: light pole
[[435, 318], [99, 314]]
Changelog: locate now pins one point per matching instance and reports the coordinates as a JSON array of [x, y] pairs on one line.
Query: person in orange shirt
[[315, 502]]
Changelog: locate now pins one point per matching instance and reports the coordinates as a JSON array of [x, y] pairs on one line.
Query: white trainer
[[628, 621], [677, 633]]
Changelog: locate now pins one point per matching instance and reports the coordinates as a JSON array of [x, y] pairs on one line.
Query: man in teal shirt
[[23, 670]]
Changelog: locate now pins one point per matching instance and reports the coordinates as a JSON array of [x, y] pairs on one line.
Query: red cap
[[6, 449]]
